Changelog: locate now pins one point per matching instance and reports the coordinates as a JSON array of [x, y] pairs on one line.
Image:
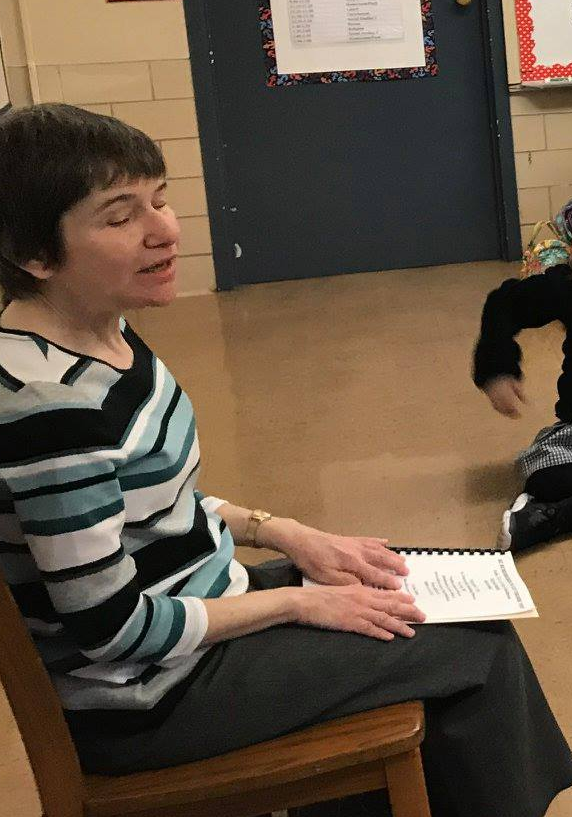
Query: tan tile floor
[[347, 402]]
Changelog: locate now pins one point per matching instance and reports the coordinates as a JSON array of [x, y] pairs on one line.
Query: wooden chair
[[350, 755]]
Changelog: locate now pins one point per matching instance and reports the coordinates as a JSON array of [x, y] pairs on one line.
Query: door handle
[[464, 2]]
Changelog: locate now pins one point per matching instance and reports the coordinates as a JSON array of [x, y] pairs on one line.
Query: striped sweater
[[106, 544]]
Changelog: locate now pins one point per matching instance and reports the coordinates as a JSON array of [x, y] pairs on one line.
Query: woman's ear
[[39, 269]]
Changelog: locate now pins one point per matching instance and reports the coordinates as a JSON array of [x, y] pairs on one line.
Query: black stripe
[[69, 663], [96, 626], [75, 369], [146, 676], [34, 602], [163, 557], [77, 572], [11, 382], [144, 630], [154, 517], [160, 441], [9, 547], [178, 586], [79, 429], [64, 487]]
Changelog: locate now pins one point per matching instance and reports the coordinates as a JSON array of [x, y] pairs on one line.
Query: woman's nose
[[163, 229]]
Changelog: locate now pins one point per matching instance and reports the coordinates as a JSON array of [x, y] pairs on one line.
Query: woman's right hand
[[359, 609], [506, 395]]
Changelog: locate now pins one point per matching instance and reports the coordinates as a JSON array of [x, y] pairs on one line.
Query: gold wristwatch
[[255, 520]]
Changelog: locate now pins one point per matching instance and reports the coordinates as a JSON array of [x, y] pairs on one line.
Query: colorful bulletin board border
[[529, 70], [273, 78]]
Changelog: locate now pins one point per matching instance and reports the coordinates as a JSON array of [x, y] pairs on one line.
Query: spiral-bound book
[[466, 585]]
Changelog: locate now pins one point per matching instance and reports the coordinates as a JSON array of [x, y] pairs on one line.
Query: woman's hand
[[335, 560], [365, 610], [506, 395]]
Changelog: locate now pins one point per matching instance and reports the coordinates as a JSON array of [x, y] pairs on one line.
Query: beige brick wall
[[153, 94], [158, 98], [542, 128]]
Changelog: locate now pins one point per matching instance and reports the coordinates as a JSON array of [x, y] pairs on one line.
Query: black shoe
[[529, 523]]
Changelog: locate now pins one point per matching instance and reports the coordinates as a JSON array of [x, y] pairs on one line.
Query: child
[[544, 509]]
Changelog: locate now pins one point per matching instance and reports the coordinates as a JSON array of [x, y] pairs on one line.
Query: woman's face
[[120, 248]]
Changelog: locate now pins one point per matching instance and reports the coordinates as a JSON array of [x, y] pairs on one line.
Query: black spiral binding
[[447, 551]]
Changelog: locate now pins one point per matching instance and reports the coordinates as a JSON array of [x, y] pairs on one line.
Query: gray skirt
[[492, 745], [551, 446]]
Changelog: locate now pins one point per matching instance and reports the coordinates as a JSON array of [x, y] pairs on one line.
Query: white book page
[[466, 587]]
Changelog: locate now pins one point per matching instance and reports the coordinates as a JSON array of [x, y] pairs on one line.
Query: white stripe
[[142, 502], [116, 455], [177, 523], [196, 624], [213, 525], [79, 547], [212, 503]]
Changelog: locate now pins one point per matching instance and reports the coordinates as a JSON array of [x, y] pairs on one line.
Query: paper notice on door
[[318, 22], [316, 36]]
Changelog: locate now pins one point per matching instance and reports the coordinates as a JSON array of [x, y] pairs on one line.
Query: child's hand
[[506, 395]]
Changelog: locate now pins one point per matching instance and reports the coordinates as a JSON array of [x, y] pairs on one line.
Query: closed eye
[[118, 223]]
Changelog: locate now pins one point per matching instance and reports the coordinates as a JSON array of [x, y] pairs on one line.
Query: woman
[[125, 572]]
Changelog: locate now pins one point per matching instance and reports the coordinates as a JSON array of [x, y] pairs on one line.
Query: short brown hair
[[51, 157]]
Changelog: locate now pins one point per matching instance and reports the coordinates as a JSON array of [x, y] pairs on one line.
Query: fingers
[[379, 578], [386, 627], [519, 391], [397, 604], [342, 577], [382, 556]]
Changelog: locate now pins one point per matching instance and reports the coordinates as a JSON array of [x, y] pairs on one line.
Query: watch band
[[255, 520]]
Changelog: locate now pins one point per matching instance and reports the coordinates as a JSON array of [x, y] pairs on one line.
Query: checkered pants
[[551, 446]]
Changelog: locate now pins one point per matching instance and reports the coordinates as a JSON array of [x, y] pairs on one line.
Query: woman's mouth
[[160, 266]]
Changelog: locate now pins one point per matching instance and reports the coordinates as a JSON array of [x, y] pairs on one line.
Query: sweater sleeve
[[516, 305], [72, 521]]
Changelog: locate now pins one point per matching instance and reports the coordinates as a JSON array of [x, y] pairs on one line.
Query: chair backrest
[[38, 714]]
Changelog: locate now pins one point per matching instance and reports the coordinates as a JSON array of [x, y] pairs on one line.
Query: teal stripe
[[159, 630], [61, 476], [57, 527], [149, 436], [202, 580], [157, 477], [70, 504], [178, 426], [217, 589], [177, 628]]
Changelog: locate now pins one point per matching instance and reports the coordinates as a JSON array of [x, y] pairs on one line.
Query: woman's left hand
[[331, 559]]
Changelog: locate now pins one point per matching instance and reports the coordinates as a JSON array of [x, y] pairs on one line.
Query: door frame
[[201, 46]]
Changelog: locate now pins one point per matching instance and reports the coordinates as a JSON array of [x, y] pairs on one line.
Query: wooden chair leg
[[406, 785]]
